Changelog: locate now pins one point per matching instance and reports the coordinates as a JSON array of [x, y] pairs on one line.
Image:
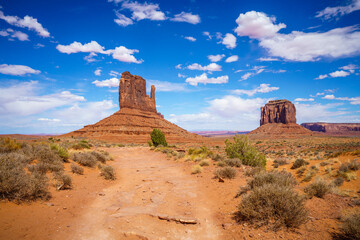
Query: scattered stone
[[221, 180], [101, 194], [50, 204], [181, 220]]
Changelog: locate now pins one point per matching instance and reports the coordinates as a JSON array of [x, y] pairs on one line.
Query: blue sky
[[214, 63]]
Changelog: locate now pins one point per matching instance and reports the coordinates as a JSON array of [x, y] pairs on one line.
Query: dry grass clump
[[217, 157], [107, 172], [225, 172], [233, 162], [318, 188], [86, 159], [8, 145], [250, 172], [274, 204], [196, 169], [353, 165], [350, 228], [280, 161], [62, 181], [197, 154], [102, 156], [48, 160], [299, 163], [243, 150], [83, 144], [337, 182], [282, 178], [77, 169], [204, 163]]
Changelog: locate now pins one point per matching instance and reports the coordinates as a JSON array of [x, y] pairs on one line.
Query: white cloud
[[263, 88], [350, 67], [322, 76], [216, 58], [186, 17], [352, 100], [340, 73], [246, 76], [203, 78], [211, 67], [181, 75], [112, 82], [229, 41], [257, 69], [26, 22], [324, 112], [121, 53], [144, 11], [208, 35], [17, 70], [21, 99], [97, 72], [122, 20], [164, 86], [91, 57], [49, 120], [299, 46], [192, 39], [178, 66], [11, 34], [304, 100], [114, 73], [233, 58], [257, 25], [330, 12], [268, 59]]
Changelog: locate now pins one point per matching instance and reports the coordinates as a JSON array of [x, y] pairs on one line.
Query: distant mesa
[[278, 117], [346, 129], [136, 118]]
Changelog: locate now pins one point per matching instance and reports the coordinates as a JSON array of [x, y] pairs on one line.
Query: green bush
[[318, 188], [107, 172], [62, 152], [83, 144], [273, 204], [8, 145], [242, 149], [226, 172], [299, 163], [282, 178], [158, 138]]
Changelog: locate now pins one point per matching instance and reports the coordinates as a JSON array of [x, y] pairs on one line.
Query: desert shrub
[[108, 172], [16, 184], [299, 163], [8, 145], [83, 144], [318, 188], [242, 149], [349, 166], [337, 182], [301, 171], [217, 157], [350, 228], [221, 164], [199, 153], [196, 169], [272, 203], [282, 178], [62, 181], [158, 138], [62, 152], [77, 169], [225, 172], [309, 175], [150, 143], [85, 159], [249, 172], [180, 155], [101, 156], [280, 162], [204, 162], [233, 162], [48, 160]]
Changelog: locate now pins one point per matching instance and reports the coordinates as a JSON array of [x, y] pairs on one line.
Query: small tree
[[158, 138], [242, 149]]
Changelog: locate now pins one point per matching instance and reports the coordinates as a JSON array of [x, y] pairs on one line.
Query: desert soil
[[150, 187]]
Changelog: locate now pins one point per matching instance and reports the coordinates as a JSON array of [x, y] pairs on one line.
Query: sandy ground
[[150, 187]]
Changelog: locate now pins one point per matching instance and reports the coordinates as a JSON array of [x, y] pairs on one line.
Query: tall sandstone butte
[[132, 93], [278, 111], [136, 118]]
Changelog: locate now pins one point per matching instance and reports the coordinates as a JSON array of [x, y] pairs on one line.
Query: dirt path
[[148, 187]]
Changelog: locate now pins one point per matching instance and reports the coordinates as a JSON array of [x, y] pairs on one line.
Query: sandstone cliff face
[[278, 111], [132, 93], [334, 128]]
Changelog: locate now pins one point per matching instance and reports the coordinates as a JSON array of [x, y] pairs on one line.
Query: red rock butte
[[136, 118], [278, 117]]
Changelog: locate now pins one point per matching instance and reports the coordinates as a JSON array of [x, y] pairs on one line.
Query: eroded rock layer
[[334, 128], [278, 111]]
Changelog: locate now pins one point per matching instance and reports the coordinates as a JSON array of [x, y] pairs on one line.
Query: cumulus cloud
[[112, 82], [257, 25], [114, 73], [26, 22], [178, 66], [322, 76], [192, 39], [324, 112], [97, 72], [91, 57], [263, 88], [340, 73], [208, 35], [11, 34], [164, 86], [122, 20], [304, 100], [144, 11], [49, 120], [297, 45], [233, 58], [268, 59], [17, 70], [186, 17], [216, 58], [346, 71], [330, 12], [203, 78], [229, 41], [257, 70], [352, 100], [121, 53], [212, 67]]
